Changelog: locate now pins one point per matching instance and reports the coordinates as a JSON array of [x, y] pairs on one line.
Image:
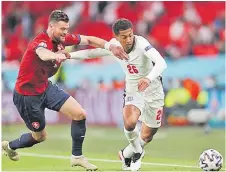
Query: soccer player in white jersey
[[144, 96]]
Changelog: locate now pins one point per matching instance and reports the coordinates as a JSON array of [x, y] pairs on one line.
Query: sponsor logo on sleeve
[[148, 47], [42, 44]]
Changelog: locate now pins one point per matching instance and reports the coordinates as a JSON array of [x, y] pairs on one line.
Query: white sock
[[9, 147], [133, 138], [73, 156], [142, 142], [128, 151]]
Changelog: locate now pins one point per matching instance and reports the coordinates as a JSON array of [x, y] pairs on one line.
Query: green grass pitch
[[173, 149]]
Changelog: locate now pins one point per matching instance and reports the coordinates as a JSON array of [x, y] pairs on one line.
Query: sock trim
[[9, 147], [74, 156]]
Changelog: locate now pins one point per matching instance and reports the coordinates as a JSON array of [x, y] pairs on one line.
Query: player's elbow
[[161, 64], [42, 58], [164, 65]]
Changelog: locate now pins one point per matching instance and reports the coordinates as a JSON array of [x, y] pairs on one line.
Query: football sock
[[133, 138], [128, 151], [78, 131], [142, 142], [25, 141]]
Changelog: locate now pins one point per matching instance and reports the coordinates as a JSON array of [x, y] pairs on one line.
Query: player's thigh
[[133, 107], [133, 104], [73, 109], [131, 111], [152, 116], [31, 110], [55, 97], [60, 101]]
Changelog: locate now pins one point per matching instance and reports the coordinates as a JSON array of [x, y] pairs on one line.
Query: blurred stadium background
[[189, 35]]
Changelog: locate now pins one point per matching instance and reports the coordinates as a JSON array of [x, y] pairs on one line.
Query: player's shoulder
[[40, 40], [142, 43], [115, 42], [141, 40], [42, 36]]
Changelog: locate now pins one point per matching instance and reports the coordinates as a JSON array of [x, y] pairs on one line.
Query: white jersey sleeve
[[151, 53]]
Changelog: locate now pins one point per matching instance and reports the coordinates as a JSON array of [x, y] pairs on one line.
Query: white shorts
[[150, 104]]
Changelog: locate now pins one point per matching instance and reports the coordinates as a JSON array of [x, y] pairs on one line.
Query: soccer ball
[[210, 160]]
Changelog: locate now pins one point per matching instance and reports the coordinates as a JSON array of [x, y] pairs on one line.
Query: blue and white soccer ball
[[210, 160]]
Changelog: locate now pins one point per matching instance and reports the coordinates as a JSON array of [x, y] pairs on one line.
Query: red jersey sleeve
[[42, 40], [39, 43], [72, 39]]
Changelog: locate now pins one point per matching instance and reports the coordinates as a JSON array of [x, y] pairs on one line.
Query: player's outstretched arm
[[90, 53], [160, 64], [46, 55], [100, 43]]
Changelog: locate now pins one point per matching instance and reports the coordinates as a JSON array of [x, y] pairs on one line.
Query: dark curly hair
[[58, 15], [121, 24]]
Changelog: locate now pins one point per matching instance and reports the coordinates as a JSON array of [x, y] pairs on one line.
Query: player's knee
[[130, 125], [79, 115], [40, 137], [130, 122], [148, 138]]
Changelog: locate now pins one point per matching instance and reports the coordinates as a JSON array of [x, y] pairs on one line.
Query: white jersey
[[138, 65]]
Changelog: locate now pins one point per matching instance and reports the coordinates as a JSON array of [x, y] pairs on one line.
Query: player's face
[[59, 30], [126, 38]]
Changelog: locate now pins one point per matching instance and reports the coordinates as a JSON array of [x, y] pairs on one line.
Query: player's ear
[[117, 37], [51, 25]]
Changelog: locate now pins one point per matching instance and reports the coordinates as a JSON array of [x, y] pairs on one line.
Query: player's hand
[[143, 84], [67, 54], [60, 57], [118, 52]]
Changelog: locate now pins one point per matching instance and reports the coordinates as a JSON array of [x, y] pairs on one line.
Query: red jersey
[[34, 72]]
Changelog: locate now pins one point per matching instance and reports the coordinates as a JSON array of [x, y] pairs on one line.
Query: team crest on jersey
[[129, 99], [35, 125], [42, 44], [73, 36]]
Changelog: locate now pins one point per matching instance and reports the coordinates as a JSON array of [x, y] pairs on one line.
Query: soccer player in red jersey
[[33, 92]]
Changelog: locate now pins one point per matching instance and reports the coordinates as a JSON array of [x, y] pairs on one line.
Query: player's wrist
[[107, 46], [149, 77]]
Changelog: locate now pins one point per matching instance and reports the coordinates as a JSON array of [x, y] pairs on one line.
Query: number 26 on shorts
[[132, 69]]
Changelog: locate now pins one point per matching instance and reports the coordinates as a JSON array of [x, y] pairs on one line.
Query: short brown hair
[[58, 15], [121, 24]]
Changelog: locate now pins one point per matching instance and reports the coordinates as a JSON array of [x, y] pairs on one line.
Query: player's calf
[[147, 134], [25, 141], [78, 131]]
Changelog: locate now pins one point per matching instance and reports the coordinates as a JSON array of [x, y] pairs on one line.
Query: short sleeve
[[39, 43], [72, 39]]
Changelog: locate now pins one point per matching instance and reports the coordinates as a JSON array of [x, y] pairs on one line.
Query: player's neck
[[129, 50], [49, 33]]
